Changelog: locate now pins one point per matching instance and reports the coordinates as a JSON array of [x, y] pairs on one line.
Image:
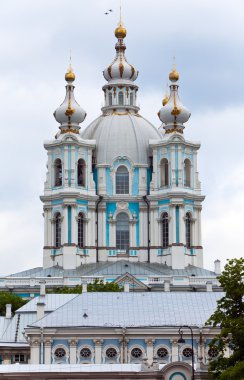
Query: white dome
[[121, 135]]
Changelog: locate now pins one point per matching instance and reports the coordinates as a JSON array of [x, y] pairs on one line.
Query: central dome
[[121, 135]]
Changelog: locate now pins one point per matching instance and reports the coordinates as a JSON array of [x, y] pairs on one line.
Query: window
[[85, 353], [20, 358], [60, 353], [131, 99], [188, 229], [213, 352], [122, 233], [111, 353], [81, 230], [165, 230], [162, 352], [122, 180], [187, 352], [136, 353], [121, 98], [187, 173], [110, 99], [81, 172], [57, 230], [164, 172], [58, 172]]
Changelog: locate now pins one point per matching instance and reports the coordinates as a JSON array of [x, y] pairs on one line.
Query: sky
[[206, 38]]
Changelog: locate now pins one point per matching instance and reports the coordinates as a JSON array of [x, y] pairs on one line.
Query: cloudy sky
[[207, 39]]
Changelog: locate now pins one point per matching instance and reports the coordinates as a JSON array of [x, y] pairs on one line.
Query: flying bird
[[106, 13], [110, 10]]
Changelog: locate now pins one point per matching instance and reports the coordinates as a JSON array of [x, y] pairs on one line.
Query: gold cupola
[[120, 31], [174, 75], [70, 75]]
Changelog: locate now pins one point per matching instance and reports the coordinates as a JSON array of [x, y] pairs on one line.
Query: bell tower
[[69, 191], [175, 188]]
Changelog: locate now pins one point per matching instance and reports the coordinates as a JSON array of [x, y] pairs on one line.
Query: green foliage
[[229, 315], [14, 300], [96, 286]]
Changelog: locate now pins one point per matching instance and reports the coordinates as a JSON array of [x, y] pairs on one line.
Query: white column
[[149, 343], [35, 352], [98, 351], [173, 222], [72, 351], [112, 233], [172, 154], [65, 167], [48, 351], [74, 226], [73, 168], [175, 350], [182, 228], [64, 227]]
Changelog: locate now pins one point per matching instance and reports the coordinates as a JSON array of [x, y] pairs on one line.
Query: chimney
[[126, 287], [8, 314], [40, 310], [217, 268], [167, 286], [84, 287], [209, 286], [42, 288]]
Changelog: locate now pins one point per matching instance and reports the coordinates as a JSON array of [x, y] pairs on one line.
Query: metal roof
[[134, 310], [14, 328], [115, 269]]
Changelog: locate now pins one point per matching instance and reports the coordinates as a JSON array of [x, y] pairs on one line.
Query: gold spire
[[166, 96], [120, 31], [70, 75]]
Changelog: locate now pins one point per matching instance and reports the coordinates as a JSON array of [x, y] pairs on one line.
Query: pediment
[[128, 278]]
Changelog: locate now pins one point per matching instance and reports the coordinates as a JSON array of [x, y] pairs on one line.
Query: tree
[[9, 298], [229, 315], [96, 286]]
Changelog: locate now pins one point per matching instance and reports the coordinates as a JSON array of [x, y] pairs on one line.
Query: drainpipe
[[148, 227], [97, 203]]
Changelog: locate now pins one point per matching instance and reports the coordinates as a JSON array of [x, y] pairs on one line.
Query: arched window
[[165, 230], [81, 172], [187, 173], [58, 172], [164, 172], [122, 232], [81, 230], [121, 98], [110, 99], [57, 231], [131, 99], [122, 180], [188, 229]]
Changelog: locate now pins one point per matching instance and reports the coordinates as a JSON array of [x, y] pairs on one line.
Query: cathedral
[[122, 203]]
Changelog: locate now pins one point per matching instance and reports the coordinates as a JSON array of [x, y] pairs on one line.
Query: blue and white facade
[[120, 188]]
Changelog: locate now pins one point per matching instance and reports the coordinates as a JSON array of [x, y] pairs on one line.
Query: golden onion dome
[[174, 75], [120, 31], [165, 100], [70, 75]]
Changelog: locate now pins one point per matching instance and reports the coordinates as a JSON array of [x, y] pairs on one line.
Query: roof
[[39, 368], [122, 134], [134, 310], [115, 269], [14, 328]]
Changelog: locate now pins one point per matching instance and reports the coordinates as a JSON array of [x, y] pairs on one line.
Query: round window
[[85, 352], [136, 352], [60, 353], [187, 352], [213, 352], [111, 352], [162, 352]]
